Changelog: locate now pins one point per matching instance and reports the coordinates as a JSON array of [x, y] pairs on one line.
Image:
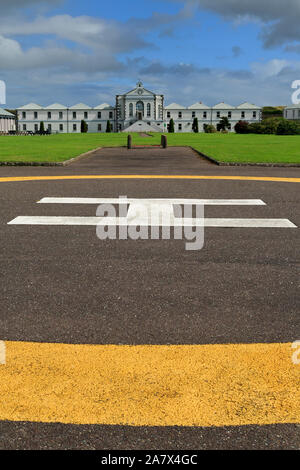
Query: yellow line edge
[[150, 385], [187, 177]]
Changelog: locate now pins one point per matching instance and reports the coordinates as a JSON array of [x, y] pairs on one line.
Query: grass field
[[223, 147]]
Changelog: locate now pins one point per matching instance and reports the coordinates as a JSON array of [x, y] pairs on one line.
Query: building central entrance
[[140, 110]]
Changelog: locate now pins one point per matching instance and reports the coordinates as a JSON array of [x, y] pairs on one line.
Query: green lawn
[[223, 147], [250, 148]]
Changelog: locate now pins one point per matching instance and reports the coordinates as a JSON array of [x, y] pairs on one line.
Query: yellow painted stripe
[[203, 385], [171, 177]]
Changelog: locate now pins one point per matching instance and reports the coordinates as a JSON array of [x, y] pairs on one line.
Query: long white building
[[138, 110], [7, 122]]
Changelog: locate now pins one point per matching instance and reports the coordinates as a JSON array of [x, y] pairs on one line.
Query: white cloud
[[270, 68], [95, 33]]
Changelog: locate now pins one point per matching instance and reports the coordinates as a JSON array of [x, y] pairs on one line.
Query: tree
[[224, 124], [195, 125], [108, 127], [84, 127], [242, 127], [171, 126], [42, 128]]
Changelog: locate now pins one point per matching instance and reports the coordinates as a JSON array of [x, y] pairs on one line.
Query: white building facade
[[138, 110], [7, 122], [292, 112]]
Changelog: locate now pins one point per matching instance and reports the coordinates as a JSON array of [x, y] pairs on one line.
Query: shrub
[[270, 125], [195, 126], [209, 128], [224, 124], [171, 127], [42, 127], [84, 127], [242, 127], [288, 128], [256, 128]]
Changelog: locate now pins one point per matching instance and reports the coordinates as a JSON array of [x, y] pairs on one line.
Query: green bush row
[[275, 126]]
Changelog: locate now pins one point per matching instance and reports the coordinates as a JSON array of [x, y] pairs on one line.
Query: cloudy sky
[[191, 50]]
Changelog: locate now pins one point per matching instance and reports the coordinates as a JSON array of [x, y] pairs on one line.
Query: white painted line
[[2, 353], [93, 221], [250, 223], [207, 202]]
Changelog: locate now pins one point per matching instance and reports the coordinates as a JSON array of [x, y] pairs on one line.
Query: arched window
[[149, 110], [131, 109], [140, 108]]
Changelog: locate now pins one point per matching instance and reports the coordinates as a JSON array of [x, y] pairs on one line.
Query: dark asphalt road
[[62, 284]]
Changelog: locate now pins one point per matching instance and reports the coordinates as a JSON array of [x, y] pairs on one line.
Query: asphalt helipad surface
[[124, 344]]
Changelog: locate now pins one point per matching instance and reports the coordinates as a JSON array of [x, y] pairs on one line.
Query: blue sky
[[192, 50]]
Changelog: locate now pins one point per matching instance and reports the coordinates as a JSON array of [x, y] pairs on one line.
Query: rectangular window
[[218, 114], [229, 127], [74, 115], [61, 127], [180, 115], [193, 114], [61, 115], [49, 127], [243, 114], [85, 115], [36, 127], [254, 114], [204, 115], [179, 127], [99, 115], [168, 114], [99, 127], [229, 114], [74, 127], [24, 127], [35, 115], [110, 115], [49, 115], [24, 115]]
